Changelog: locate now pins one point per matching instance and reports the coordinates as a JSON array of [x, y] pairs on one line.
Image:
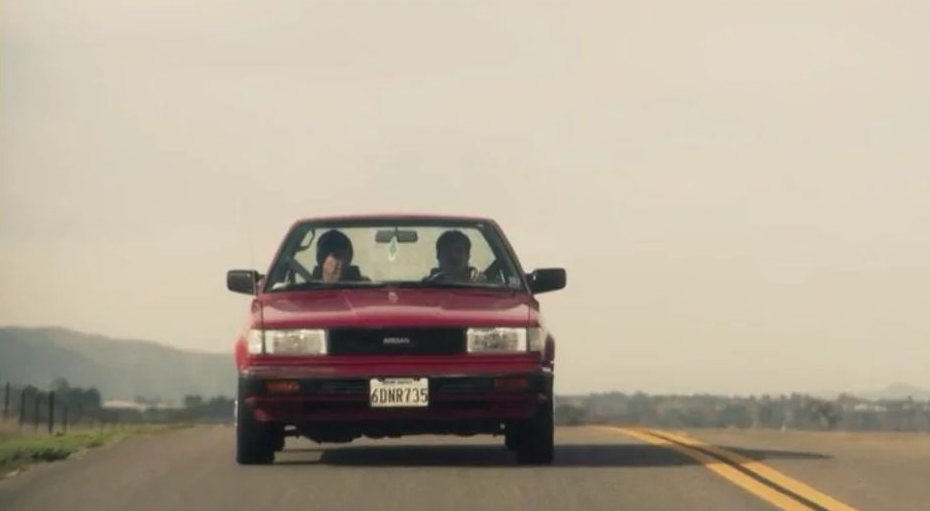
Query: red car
[[383, 326]]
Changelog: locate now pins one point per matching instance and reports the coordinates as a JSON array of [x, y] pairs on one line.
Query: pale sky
[[740, 191]]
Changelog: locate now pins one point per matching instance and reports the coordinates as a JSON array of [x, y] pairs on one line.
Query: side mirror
[[547, 279], [242, 281]]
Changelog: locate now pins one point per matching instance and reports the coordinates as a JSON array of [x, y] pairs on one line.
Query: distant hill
[[120, 369]]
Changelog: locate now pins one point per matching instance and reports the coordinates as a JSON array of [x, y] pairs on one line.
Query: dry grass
[[19, 448]]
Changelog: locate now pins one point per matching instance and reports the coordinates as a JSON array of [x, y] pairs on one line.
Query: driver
[[453, 249], [334, 258]]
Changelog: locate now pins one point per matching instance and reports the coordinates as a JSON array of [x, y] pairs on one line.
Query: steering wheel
[[439, 274]]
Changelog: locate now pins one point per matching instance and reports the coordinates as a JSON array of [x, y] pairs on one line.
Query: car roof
[[399, 216]]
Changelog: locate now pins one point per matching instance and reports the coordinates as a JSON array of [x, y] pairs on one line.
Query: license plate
[[399, 392]]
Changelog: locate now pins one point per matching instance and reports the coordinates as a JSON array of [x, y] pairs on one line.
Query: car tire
[[536, 445], [512, 437], [279, 440], [254, 440]]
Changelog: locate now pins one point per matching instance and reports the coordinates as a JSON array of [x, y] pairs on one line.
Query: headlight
[[289, 342], [496, 340]]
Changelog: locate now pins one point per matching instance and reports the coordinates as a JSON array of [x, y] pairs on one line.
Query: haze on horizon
[[739, 191]]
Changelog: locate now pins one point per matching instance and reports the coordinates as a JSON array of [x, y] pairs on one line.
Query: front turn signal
[[282, 386]]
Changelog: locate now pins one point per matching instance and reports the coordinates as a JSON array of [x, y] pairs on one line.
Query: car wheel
[[512, 436], [536, 444], [279, 440], [254, 439]]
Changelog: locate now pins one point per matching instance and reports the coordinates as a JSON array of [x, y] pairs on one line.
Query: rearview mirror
[[242, 281], [546, 279], [403, 236]]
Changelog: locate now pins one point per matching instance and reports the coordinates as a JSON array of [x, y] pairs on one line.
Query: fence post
[[64, 419], [35, 415], [51, 412], [22, 407], [6, 401]]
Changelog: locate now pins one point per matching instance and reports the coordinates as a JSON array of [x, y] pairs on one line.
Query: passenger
[[334, 258], [453, 250]]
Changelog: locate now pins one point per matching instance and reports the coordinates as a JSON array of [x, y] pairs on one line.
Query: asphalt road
[[595, 469]]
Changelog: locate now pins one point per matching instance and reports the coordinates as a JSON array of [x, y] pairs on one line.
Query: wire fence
[[29, 408]]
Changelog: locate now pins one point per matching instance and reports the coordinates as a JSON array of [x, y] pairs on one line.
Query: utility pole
[[51, 412]]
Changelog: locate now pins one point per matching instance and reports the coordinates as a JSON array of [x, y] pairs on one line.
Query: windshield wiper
[[454, 285], [319, 284]]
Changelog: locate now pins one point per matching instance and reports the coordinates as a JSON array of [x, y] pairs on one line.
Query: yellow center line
[[764, 471], [724, 470]]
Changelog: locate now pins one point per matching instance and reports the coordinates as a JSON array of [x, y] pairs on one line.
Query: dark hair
[[451, 237], [330, 242]]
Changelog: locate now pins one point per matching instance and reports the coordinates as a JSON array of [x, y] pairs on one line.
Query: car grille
[[461, 385], [406, 341], [338, 387]]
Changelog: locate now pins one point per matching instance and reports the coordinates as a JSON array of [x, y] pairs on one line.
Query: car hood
[[395, 308]]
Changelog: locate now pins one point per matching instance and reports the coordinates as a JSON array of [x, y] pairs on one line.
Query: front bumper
[[340, 392]]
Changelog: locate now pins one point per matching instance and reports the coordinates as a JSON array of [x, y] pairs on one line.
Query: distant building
[[132, 405]]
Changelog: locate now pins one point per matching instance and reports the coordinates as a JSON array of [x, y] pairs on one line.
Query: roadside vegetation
[[19, 448], [795, 411], [40, 425]]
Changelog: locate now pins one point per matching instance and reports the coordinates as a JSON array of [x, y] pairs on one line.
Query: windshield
[[396, 253]]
